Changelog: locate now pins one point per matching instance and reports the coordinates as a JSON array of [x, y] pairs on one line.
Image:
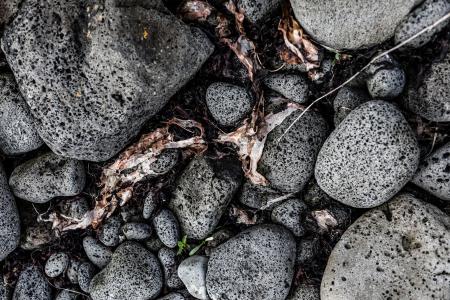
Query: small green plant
[[183, 245], [196, 248]]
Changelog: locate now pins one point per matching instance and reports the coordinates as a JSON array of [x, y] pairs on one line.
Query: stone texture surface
[[293, 87], [109, 233], [306, 292], [400, 253], [386, 83], [257, 196], [32, 284], [98, 254], [369, 157], [8, 9], [167, 228], [86, 271], [56, 264], [258, 10], [168, 259], [258, 263], [290, 214], [137, 231], [192, 271], [91, 84]]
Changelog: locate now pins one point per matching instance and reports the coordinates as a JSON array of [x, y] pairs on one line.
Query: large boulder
[[369, 157], [397, 252], [258, 263], [93, 73], [351, 24]]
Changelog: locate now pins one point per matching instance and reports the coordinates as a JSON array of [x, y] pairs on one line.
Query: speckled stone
[[66, 295], [288, 163], [369, 157], [167, 228], [257, 196], [32, 284], [56, 264], [202, 193], [86, 271], [74, 207], [423, 16], [192, 271], [258, 263], [9, 8], [137, 231], [168, 260], [293, 87], [433, 174], [400, 253], [306, 292], [150, 205], [72, 270], [98, 254], [134, 273], [307, 249], [41, 179], [290, 214], [346, 100], [109, 233], [258, 10], [228, 104], [173, 296], [5, 292], [387, 82]]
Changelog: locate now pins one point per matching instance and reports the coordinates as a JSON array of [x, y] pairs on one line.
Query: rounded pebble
[[56, 264]]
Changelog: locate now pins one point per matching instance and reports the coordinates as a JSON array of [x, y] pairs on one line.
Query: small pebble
[[72, 271], [32, 285], [98, 254], [150, 204], [110, 232], [172, 296], [167, 257], [289, 214], [167, 228], [56, 264], [66, 295], [293, 87], [192, 271], [86, 272], [137, 231]]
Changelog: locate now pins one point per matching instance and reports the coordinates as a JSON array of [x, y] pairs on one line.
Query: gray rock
[[433, 174], [150, 205], [5, 292], [47, 176], [202, 193], [369, 157], [85, 274], [8, 9], [172, 296], [92, 84], [32, 284], [293, 87], [258, 263], [98, 254], [307, 249], [72, 270], [56, 264], [154, 244], [167, 257], [257, 10], [165, 162], [110, 231], [137, 231], [66, 295], [290, 215], [306, 292], [228, 104], [192, 271], [402, 250], [9, 218], [423, 16], [288, 163], [74, 207], [167, 228], [257, 196], [386, 83], [134, 273], [430, 100], [17, 127], [346, 100]]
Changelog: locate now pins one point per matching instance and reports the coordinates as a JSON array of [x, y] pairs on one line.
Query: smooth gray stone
[[137, 231], [192, 271], [168, 260], [32, 284], [290, 214], [293, 87], [167, 228], [56, 264], [109, 233], [98, 254], [86, 271]]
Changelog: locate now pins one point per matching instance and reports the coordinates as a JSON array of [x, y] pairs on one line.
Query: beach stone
[[17, 127], [257, 196], [258, 10], [306, 292], [167, 228], [8, 9], [433, 174], [98, 254], [92, 84], [290, 214], [9, 218], [351, 24], [173, 296], [346, 100], [109, 233], [421, 17], [5, 292], [228, 104], [74, 207], [150, 205], [168, 260], [192, 271], [137, 231], [202, 193], [258, 263], [293, 87], [399, 251], [86, 271], [66, 295], [369, 157], [48, 176], [32, 284], [386, 83], [72, 270], [133, 273], [56, 264], [288, 164]]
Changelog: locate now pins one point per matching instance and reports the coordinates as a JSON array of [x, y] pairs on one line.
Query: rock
[[98, 254], [9, 218], [92, 84], [32, 285], [56, 264], [369, 157], [46, 177], [192, 271], [430, 99], [403, 252], [354, 24], [5, 292], [110, 231], [134, 273], [173, 296], [256, 11], [433, 174], [258, 263], [8, 9], [306, 292], [421, 17], [17, 127], [288, 164], [346, 100], [137, 231], [293, 87], [228, 104], [66, 295], [165, 162], [202, 193], [86, 272], [290, 215], [167, 257], [72, 271], [150, 205], [257, 196], [154, 244], [307, 249], [387, 82], [74, 207], [167, 228]]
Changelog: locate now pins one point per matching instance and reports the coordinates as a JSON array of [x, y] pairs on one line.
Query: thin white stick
[[444, 18]]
